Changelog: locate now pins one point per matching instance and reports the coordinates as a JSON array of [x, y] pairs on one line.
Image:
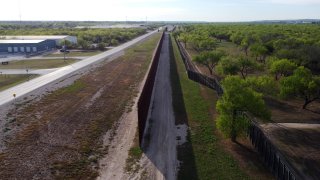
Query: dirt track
[[160, 141]]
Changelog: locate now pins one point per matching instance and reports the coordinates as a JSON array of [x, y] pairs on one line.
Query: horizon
[[160, 10], [160, 21]]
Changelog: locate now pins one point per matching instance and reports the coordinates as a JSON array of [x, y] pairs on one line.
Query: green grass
[[132, 163], [38, 64], [211, 161], [230, 48], [7, 81], [73, 88], [76, 54]]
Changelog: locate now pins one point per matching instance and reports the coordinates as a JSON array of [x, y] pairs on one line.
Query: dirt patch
[[299, 143], [248, 158], [61, 135], [291, 111]]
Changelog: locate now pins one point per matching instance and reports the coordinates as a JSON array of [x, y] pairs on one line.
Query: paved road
[[22, 89], [162, 145], [30, 71]]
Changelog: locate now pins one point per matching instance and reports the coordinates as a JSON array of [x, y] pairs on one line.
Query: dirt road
[[160, 141]]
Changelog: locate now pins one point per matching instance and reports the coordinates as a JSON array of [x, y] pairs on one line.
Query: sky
[[159, 10]]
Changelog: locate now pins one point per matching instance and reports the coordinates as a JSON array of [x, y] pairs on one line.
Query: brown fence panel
[[195, 75], [273, 159]]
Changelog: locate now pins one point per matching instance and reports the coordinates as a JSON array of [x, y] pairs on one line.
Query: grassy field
[[76, 54], [66, 140], [38, 64], [7, 81], [230, 48], [204, 157]]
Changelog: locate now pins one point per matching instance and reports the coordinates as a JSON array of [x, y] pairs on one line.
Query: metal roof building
[[13, 41], [57, 39], [26, 46], [32, 44]]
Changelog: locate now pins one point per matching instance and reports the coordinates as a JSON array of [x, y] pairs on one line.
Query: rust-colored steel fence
[[146, 94]]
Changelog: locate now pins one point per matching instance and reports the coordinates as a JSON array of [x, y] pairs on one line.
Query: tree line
[[88, 38]]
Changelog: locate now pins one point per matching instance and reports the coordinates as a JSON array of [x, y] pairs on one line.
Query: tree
[[101, 46], [207, 44], [238, 98], [245, 66], [202, 43], [221, 36], [301, 84], [263, 84], [228, 66], [232, 66], [184, 38], [209, 59], [83, 44], [259, 51], [247, 41], [114, 42], [282, 67], [236, 38], [245, 45], [66, 43]]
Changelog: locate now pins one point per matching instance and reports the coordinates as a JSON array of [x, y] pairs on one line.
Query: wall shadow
[[188, 169]]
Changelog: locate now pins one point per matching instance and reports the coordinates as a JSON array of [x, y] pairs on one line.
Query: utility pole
[[27, 70], [19, 2]]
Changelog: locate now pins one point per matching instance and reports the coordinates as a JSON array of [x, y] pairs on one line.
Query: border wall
[[146, 94]]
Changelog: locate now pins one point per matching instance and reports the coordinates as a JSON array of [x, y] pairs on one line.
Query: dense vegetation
[[86, 36], [298, 43], [278, 60]]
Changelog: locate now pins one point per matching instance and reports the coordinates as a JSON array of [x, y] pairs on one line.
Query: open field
[[75, 54], [61, 136], [207, 155], [39, 63], [290, 111], [7, 81]]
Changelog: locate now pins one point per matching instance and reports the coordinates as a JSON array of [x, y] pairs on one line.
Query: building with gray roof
[[32, 44]]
